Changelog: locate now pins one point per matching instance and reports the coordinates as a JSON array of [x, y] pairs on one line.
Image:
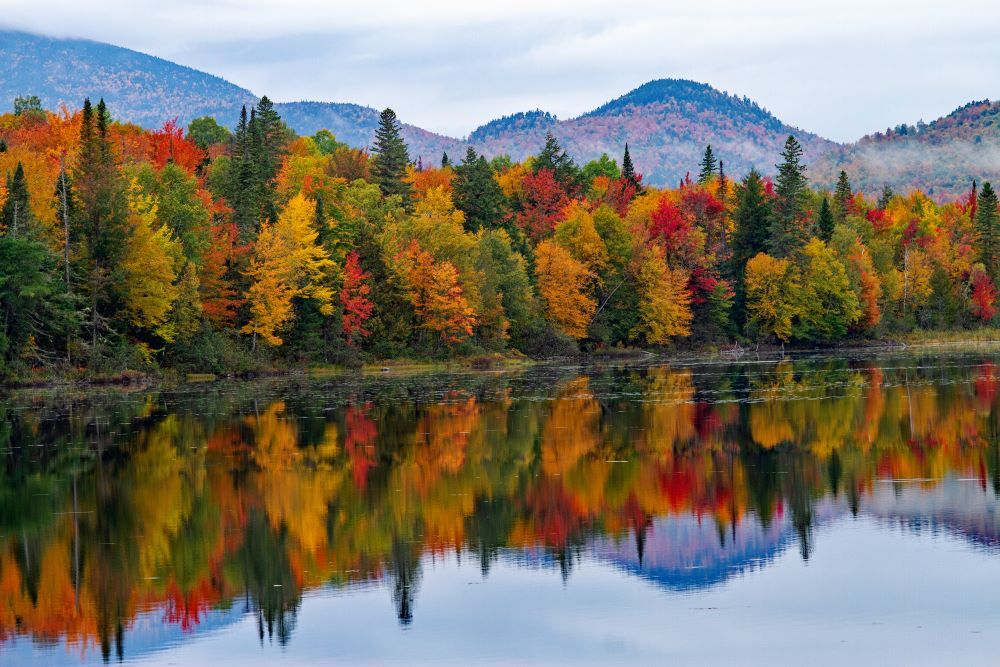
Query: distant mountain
[[137, 87], [940, 158], [667, 124]]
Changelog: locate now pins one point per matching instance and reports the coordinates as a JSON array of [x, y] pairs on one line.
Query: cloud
[[840, 70]]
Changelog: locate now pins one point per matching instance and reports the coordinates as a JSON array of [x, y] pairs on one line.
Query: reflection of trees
[[144, 504]]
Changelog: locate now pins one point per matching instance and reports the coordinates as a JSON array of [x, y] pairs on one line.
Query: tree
[[288, 263], [103, 232], [983, 294], [842, 197], [436, 295], [628, 170], [664, 299], [391, 158], [825, 221], [445, 162], [603, 166], [326, 142], [541, 205], [752, 223], [885, 197], [27, 105], [354, 300], [505, 282], [788, 230], [15, 216], [772, 287], [562, 285], [987, 228], [206, 132], [554, 159], [708, 166], [828, 306], [477, 193]]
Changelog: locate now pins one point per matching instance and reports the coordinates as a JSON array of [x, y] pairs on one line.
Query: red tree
[[354, 299]]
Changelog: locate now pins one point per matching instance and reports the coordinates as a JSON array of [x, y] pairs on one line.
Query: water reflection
[[124, 518]]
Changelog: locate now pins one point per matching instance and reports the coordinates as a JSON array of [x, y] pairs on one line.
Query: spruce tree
[[988, 231], [825, 223], [477, 194], [562, 166], [842, 196], [885, 196], [445, 162], [628, 169], [752, 221], [391, 158], [788, 232], [708, 166], [16, 211]]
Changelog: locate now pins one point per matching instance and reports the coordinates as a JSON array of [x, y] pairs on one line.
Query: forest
[[228, 251]]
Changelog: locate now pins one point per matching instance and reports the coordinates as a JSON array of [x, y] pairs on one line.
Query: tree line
[[231, 250]]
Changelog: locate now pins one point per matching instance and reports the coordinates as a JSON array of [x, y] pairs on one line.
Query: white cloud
[[840, 69]]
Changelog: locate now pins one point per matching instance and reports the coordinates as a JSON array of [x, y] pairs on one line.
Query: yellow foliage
[[664, 300], [562, 283], [771, 285]]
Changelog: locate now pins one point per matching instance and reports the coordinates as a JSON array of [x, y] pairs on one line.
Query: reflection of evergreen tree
[[267, 573], [404, 571]]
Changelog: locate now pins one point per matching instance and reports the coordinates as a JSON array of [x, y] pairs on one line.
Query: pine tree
[[240, 192], [885, 197], [267, 136], [842, 196], [628, 169], [825, 223], [16, 212], [477, 194], [391, 158], [988, 231], [562, 166], [445, 162], [752, 220], [708, 166], [788, 233], [103, 209]]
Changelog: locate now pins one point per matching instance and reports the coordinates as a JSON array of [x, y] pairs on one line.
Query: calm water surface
[[832, 509]]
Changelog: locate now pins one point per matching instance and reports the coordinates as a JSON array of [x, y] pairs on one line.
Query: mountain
[[941, 158], [137, 87], [667, 124]]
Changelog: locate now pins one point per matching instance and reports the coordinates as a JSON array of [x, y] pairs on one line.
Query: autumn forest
[[221, 250]]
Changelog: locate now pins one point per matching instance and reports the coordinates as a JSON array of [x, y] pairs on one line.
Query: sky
[[841, 69]]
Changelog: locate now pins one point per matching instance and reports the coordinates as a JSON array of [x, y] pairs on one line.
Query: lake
[[836, 508]]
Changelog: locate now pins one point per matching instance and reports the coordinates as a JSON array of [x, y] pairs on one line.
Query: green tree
[[885, 196], [988, 231], [327, 143], [788, 231], [603, 166], [205, 132], [558, 161], [708, 166], [752, 220], [15, 216], [825, 222], [842, 196], [477, 194], [29, 106], [828, 306], [628, 169], [391, 158]]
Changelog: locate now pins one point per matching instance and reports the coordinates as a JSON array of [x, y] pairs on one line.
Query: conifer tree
[[16, 212], [788, 233], [391, 158], [825, 222], [562, 166], [752, 220], [988, 231], [708, 166], [477, 194], [445, 162], [885, 196], [842, 196], [628, 169]]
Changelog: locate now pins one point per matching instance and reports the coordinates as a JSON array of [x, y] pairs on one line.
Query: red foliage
[[620, 193], [169, 145], [879, 221], [354, 299], [541, 206], [984, 296], [359, 443]]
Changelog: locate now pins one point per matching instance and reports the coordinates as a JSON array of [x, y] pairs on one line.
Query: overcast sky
[[841, 69]]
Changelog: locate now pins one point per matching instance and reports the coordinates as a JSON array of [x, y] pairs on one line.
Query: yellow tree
[[148, 266], [664, 300], [772, 286], [562, 284], [288, 263], [436, 294]]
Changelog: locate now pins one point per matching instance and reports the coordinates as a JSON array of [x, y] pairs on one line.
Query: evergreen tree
[[708, 166], [562, 166], [240, 192], [100, 192], [752, 221], [16, 213], [3, 145], [988, 231], [391, 158], [825, 223], [477, 194], [445, 162], [268, 137], [842, 196], [885, 196], [788, 233], [628, 169]]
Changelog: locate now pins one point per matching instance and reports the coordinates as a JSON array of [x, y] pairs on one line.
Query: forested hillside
[[238, 249]]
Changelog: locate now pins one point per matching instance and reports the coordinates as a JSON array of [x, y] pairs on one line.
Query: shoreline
[[499, 362]]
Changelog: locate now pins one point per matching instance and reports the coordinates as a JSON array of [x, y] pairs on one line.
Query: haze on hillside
[[840, 70]]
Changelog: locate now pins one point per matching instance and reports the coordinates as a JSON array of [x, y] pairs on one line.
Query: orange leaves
[[169, 145], [984, 294], [562, 284], [436, 295]]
